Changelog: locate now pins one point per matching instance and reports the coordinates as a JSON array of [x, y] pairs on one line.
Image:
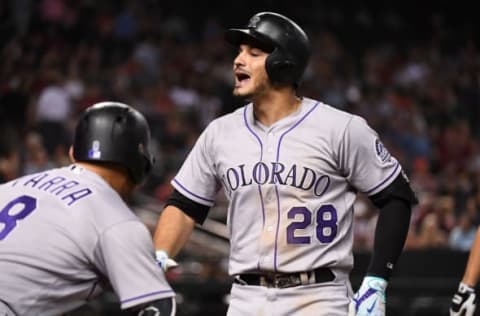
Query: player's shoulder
[[327, 111], [234, 115], [332, 120], [228, 120], [328, 115]]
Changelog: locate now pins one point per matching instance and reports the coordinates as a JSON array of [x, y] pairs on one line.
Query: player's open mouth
[[241, 78]]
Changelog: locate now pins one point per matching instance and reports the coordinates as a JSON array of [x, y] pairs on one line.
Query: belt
[[284, 280]]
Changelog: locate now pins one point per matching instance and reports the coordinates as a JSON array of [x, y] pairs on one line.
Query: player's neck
[[114, 176], [274, 106]]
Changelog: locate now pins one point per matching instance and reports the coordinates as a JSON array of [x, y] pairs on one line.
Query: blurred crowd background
[[413, 73]]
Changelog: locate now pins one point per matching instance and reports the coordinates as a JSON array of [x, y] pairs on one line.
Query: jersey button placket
[[270, 143], [269, 195], [268, 238]]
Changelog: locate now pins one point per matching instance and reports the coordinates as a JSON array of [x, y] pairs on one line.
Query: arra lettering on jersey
[[67, 190]]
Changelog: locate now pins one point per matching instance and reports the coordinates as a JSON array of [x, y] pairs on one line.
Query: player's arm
[[464, 299], [472, 271], [394, 204], [175, 226], [117, 252]]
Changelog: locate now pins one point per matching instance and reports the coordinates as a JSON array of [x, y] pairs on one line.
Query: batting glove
[[370, 298], [463, 301], [164, 261]]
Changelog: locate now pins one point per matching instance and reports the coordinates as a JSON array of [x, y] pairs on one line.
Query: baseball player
[[67, 233], [290, 167], [464, 300]]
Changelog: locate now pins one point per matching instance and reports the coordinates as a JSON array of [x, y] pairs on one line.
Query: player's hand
[[370, 298], [463, 301], [164, 261]]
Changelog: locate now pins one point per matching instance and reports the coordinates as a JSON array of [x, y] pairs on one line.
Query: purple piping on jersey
[[276, 189], [291, 128], [253, 133], [261, 202], [276, 232], [261, 157], [381, 183], [263, 214], [145, 295], [195, 195]]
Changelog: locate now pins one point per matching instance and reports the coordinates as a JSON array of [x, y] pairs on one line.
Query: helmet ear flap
[[281, 69]]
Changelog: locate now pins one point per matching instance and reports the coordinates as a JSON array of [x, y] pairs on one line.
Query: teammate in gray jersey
[[291, 168], [67, 233]]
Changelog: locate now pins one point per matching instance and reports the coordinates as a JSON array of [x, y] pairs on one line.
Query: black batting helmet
[[290, 46], [117, 133]]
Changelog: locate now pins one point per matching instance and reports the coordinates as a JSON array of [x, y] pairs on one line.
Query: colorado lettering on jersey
[[260, 173], [69, 191]]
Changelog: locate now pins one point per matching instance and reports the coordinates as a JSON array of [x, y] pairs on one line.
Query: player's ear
[[70, 154]]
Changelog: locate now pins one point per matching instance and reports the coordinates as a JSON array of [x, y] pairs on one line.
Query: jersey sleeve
[[196, 178], [125, 254], [366, 162]]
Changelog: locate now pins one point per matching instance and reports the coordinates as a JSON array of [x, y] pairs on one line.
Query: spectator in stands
[[36, 157], [430, 234], [463, 234], [455, 146], [473, 207], [422, 178], [53, 111]]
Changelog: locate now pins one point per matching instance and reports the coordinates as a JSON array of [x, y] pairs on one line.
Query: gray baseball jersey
[[62, 232], [291, 186]]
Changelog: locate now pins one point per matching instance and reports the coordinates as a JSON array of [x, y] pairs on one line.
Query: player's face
[[250, 73]]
